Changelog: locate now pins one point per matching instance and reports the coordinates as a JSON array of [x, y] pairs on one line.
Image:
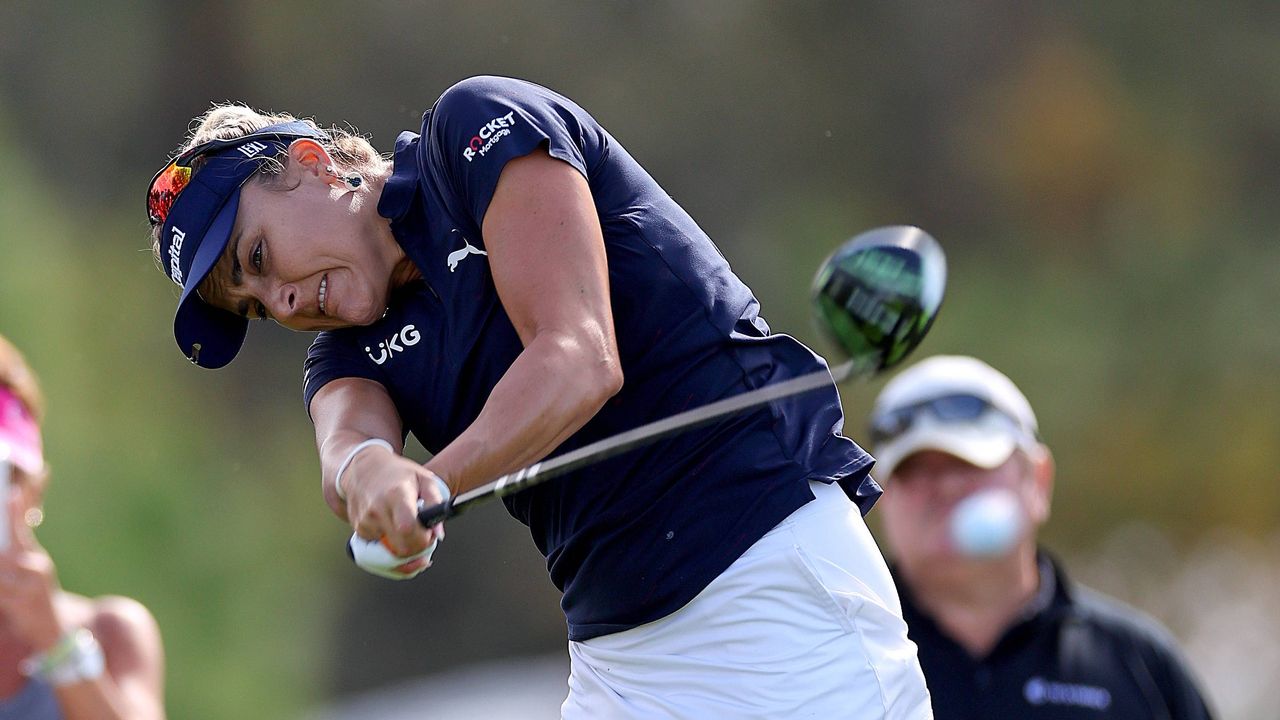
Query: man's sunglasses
[[957, 408]]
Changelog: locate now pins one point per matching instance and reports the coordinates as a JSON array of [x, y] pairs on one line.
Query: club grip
[[429, 516]]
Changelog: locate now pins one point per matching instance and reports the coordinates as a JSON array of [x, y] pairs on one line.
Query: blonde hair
[[18, 378], [351, 153]]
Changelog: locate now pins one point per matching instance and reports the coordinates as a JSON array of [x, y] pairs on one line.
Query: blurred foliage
[[1102, 176]]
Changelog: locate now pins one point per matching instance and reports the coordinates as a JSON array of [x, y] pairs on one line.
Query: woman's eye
[[255, 259]]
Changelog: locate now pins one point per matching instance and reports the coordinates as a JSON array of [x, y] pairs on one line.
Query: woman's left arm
[[132, 685], [547, 257]]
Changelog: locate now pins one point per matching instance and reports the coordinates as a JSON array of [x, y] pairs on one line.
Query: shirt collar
[[1054, 591], [402, 186], [1052, 598]]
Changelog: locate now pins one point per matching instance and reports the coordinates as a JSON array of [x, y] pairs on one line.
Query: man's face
[[925, 488]]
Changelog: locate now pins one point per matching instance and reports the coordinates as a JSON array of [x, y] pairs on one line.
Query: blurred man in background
[[1002, 632]]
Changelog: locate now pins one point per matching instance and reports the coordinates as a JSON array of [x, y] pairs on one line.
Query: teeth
[[324, 289]]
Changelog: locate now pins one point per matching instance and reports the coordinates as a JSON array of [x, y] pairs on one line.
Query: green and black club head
[[877, 295]]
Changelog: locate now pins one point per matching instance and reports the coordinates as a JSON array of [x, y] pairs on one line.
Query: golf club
[[876, 297]]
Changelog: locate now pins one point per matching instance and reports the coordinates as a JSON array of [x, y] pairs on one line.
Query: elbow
[[605, 381], [611, 382], [589, 373]]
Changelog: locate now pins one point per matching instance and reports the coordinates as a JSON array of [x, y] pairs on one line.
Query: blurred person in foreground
[[62, 656], [514, 284], [1002, 632]]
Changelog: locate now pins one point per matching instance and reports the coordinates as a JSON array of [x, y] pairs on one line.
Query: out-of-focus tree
[[1102, 175]]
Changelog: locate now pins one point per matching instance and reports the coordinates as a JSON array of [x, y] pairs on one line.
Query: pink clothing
[[19, 435]]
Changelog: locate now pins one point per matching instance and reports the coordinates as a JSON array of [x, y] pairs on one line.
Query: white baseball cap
[[953, 404]]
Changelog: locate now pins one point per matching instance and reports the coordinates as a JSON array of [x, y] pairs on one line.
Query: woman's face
[[26, 493], [306, 252]]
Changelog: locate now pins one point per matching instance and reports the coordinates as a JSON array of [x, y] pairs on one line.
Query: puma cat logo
[[456, 256]]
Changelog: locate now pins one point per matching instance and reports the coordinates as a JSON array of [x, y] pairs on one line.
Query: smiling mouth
[[322, 295]]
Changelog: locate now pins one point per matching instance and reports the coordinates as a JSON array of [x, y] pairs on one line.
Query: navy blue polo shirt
[[1074, 655], [630, 539]]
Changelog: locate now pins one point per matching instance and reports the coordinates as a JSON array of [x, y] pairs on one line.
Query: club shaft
[[541, 472]]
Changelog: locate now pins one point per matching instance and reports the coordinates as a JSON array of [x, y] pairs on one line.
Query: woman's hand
[[383, 489], [28, 582]]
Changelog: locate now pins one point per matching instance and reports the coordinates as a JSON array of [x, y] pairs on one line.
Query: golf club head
[[877, 295]]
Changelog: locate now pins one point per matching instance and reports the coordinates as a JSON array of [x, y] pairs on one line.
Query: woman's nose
[[284, 303]]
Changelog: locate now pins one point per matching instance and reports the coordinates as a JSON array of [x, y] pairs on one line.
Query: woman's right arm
[[381, 487]]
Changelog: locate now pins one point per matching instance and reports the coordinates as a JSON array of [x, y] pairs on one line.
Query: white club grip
[[374, 557]]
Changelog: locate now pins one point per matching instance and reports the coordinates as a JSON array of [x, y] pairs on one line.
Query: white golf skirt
[[805, 624]]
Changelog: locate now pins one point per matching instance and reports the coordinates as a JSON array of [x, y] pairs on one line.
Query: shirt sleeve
[[334, 355], [1157, 664], [482, 122], [1172, 674]]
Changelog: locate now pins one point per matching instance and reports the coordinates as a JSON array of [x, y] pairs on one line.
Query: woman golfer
[[513, 283]]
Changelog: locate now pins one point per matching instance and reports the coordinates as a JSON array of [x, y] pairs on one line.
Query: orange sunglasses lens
[[164, 191]]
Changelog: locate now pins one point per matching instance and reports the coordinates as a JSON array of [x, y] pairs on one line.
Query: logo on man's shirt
[[456, 256], [488, 135], [1039, 691], [387, 349]]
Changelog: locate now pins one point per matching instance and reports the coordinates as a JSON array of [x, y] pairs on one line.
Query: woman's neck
[[404, 272], [403, 269]]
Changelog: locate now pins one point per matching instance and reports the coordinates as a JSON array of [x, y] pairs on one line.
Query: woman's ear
[[311, 157]]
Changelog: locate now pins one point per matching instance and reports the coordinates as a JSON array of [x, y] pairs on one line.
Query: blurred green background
[[1102, 175]]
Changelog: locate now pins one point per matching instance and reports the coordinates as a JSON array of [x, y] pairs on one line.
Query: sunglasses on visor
[[958, 408], [164, 189], [174, 177]]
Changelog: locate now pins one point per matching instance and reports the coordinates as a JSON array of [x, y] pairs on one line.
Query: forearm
[[336, 449], [381, 487], [346, 413], [129, 681], [552, 389]]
